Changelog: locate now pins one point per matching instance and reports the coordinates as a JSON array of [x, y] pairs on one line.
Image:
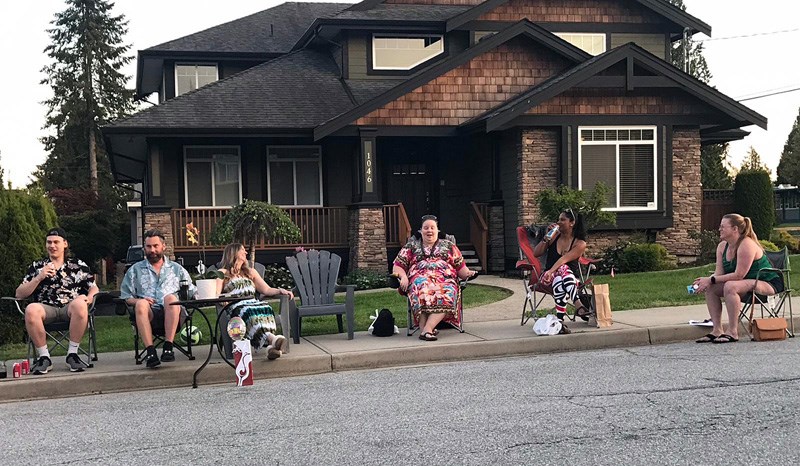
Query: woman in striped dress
[[242, 280]]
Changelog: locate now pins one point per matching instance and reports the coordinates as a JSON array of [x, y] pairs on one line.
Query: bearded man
[[150, 287]]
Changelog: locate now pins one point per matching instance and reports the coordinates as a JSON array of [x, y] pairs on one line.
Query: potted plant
[[207, 284]]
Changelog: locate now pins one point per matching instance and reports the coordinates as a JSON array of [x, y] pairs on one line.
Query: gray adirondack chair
[[314, 274]]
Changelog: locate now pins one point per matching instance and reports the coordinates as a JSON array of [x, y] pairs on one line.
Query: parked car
[[134, 255]]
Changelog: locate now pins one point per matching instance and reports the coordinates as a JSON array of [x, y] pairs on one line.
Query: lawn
[[115, 333]]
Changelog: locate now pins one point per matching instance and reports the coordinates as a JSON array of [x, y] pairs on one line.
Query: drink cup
[[183, 292]]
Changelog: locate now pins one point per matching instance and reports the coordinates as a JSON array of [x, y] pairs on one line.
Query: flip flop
[[710, 338], [428, 336], [725, 339]]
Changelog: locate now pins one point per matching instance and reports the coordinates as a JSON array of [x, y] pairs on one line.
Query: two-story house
[[358, 119]]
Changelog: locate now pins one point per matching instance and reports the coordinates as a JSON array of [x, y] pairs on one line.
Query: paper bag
[[243, 358], [602, 305]]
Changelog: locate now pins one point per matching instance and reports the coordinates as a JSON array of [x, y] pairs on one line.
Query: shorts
[[777, 284], [55, 313]]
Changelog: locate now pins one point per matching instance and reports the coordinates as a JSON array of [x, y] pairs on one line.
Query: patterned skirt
[[259, 318]]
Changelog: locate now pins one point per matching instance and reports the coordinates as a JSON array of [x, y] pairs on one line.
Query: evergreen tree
[[697, 62], [753, 163], [714, 173], [88, 91], [789, 166]]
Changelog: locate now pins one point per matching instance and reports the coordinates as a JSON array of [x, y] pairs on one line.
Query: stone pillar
[[687, 194], [367, 238], [162, 221], [537, 170], [496, 237]]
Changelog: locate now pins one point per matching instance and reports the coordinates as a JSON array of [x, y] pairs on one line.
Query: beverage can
[[25, 367], [550, 234], [692, 289], [17, 370]]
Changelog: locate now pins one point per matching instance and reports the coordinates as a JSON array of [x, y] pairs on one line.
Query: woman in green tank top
[[739, 258]]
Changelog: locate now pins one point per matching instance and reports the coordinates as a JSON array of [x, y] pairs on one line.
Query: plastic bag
[[549, 325]]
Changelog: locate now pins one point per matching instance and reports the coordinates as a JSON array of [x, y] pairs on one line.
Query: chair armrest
[[343, 288], [16, 303]]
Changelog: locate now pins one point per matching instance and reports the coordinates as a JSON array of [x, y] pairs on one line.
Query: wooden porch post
[[367, 228]]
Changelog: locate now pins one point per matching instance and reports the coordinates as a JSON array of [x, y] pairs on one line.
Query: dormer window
[[190, 76], [593, 44], [404, 51]]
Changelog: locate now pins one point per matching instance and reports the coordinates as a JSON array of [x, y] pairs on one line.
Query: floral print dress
[[432, 277]]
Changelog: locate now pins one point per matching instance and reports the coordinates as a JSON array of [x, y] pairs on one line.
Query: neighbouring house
[[360, 118]]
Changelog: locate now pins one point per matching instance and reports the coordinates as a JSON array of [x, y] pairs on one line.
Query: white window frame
[[177, 64], [654, 143], [186, 158], [403, 36], [591, 35], [294, 173]]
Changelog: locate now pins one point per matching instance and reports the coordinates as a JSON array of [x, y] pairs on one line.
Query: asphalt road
[[673, 404]]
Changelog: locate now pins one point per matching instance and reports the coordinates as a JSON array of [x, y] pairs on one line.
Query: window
[[625, 160], [213, 176], [594, 44], [395, 52], [190, 76], [294, 175]]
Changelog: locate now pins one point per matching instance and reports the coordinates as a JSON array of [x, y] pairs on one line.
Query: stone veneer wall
[[161, 221], [496, 239], [367, 237], [537, 170], [687, 193]]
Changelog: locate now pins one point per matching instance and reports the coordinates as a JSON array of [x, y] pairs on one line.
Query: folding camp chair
[[771, 305], [531, 269], [157, 326], [58, 332]]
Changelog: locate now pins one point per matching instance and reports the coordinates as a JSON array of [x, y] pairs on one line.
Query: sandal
[[583, 313], [436, 332], [428, 336], [707, 338], [724, 338]]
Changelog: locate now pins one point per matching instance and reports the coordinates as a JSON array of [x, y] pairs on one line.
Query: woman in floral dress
[[428, 269], [242, 280]]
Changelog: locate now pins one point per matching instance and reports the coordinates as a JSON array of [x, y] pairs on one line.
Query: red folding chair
[[531, 269]]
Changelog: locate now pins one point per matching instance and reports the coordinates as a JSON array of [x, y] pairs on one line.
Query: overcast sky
[[764, 62]]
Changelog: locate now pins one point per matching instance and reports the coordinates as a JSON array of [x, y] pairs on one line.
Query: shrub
[[709, 240], [365, 279], [754, 197], [278, 276], [768, 245], [551, 202], [782, 238], [644, 257]]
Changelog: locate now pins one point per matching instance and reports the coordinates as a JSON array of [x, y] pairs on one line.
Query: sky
[[763, 62]]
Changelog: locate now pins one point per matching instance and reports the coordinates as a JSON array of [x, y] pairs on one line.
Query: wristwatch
[[713, 280]]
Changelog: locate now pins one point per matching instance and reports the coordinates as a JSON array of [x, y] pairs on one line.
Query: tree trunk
[[93, 162]]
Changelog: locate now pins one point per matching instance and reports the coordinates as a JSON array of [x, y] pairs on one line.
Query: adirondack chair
[[314, 273]]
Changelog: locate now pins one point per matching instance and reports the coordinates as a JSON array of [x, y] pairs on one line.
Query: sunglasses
[[430, 217]]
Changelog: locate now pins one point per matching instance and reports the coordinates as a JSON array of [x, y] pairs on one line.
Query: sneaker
[[42, 365], [274, 351], [152, 360], [74, 363], [167, 356]]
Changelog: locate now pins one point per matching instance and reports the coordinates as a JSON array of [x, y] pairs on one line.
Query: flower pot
[[206, 288]]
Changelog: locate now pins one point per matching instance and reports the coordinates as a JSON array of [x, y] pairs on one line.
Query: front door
[[409, 183]]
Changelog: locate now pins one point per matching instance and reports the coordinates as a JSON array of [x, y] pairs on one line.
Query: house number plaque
[[369, 168]]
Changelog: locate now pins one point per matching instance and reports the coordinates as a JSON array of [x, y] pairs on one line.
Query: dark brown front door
[[409, 183]]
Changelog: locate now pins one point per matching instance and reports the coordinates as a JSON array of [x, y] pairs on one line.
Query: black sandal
[[428, 336], [707, 338]]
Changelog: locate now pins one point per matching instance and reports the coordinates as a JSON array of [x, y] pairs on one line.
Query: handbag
[[768, 328], [602, 305]]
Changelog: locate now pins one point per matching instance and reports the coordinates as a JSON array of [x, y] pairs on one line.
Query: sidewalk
[[492, 330]]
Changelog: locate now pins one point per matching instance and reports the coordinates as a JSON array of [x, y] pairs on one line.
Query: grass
[[115, 333]]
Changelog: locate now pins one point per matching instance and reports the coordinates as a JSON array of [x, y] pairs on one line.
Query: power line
[[755, 34], [786, 91]]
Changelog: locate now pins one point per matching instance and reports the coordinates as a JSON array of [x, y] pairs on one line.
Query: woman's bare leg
[[713, 295], [432, 321]]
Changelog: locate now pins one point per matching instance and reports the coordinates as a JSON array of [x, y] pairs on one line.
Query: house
[[360, 118]]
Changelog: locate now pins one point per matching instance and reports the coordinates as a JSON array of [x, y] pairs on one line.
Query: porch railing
[[398, 228], [320, 227], [479, 230]]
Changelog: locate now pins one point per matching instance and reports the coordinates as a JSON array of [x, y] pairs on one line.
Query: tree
[[753, 197], [88, 91], [714, 173], [697, 62], [588, 203], [251, 221], [789, 166], [753, 163]]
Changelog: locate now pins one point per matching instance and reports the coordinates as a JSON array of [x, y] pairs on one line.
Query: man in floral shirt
[[61, 288], [151, 286]]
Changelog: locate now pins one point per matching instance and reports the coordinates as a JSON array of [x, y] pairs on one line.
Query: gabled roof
[[270, 31], [556, 85], [522, 28], [298, 90], [404, 12]]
